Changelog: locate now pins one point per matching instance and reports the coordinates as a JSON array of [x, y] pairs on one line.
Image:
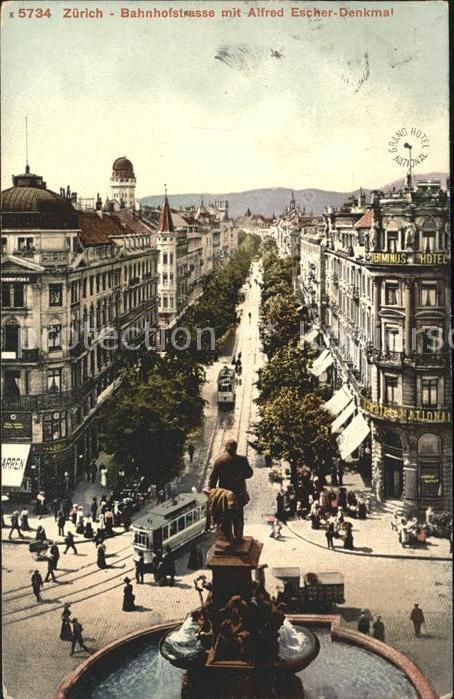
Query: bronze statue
[[222, 510]]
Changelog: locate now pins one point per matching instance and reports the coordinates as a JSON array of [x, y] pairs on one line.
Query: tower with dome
[[123, 182]]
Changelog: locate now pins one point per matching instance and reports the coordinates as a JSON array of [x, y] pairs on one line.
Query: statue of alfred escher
[[227, 494]]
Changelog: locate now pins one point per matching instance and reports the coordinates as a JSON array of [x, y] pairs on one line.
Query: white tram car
[[172, 523], [226, 386]]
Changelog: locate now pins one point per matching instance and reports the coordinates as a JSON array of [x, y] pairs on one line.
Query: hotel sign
[[16, 425], [387, 412], [411, 258]]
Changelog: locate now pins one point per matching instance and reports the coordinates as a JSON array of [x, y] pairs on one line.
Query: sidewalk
[[372, 536]]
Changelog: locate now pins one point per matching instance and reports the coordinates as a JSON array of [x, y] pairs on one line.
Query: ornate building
[[79, 296], [378, 283]]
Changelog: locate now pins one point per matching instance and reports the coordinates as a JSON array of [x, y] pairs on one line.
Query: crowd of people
[[323, 505]]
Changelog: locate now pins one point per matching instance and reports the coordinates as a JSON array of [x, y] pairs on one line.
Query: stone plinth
[[232, 570]]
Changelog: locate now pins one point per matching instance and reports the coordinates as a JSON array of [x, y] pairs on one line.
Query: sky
[[220, 105]]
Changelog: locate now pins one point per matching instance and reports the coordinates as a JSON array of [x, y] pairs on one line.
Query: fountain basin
[[132, 666]]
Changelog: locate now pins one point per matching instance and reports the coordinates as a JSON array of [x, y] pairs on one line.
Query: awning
[[338, 401], [322, 363], [341, 419], [311, 336], [14, 461], [353, 436]]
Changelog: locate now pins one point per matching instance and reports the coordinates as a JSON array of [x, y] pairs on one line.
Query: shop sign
[[16, 426], [388, 412], [430, 482]]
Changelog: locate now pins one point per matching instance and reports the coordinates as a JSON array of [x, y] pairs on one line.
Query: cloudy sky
[[220, 105]]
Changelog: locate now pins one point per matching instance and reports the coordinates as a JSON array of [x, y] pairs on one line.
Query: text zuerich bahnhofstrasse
[[308, 12]]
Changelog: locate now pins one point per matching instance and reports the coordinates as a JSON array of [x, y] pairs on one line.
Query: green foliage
[[287, 369], [296, 429], [280, 323]]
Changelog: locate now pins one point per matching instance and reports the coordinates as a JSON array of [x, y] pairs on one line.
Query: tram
[[226, 386], [172, 523]]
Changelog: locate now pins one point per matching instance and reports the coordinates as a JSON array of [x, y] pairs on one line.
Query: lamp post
[[409, 147]]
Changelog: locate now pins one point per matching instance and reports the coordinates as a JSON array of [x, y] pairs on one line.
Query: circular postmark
[[409, 146]]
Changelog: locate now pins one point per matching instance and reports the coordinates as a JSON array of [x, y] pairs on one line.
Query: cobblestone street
[[385, 585]]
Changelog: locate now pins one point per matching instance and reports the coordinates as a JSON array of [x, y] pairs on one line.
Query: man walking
[[230, 471], [15, 525], [378, 629], [56, 508], [69, 541], [191, 452], [37, 584], [50, 568], [94, 510], [417, 617], [77, 636], [330, 535], [61, 521], [140, 568]]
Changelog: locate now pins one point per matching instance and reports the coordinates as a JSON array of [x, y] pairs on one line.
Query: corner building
[[383, 281]]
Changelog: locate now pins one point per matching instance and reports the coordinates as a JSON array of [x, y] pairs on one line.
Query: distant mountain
[[275, 199]]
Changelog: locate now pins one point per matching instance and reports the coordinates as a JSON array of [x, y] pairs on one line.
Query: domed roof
[[123, 167], [29, 204]]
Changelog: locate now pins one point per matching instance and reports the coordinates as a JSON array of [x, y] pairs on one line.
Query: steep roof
[[95, 230], [366, 220], [165, 218]]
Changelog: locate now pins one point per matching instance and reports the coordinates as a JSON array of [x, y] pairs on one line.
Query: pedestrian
[[67, 508], [108, 522], [280, 505], [15, 525], [378, 629], [268, 460], [333, 473], [61, 521], [54, 551], [65, 629], [191, 450], [88, 531], [94, 509], [140, 568], [94, 471], [50, 568], [348, 540], [80, 526], [169, 567], [101, 555], [340, 473], [103, 476], [88, 473], [417, 617], [23, 520], [128, 596], [77, 636], [55, 507], [193, 562], [330, 535], [69, 541], [67, 482], [249, 315], [37, 584], [41, 504], [40, 534], [364, 622]]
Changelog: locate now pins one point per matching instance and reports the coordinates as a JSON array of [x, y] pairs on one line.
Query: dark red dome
[[123, 167]]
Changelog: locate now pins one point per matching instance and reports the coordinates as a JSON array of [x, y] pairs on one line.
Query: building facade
[[376, 281], [79, 298]]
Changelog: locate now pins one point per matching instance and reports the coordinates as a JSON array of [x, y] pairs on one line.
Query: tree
[[296, 429], [288, 368], [280, 324]]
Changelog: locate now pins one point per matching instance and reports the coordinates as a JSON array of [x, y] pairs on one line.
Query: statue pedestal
[[232, 570]]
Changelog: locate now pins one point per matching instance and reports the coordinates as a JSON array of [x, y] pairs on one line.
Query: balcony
[[428, 359], [386, 357], [134, 281], [25, 252], [24, 355]]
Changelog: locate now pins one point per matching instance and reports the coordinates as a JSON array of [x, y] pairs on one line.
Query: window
[[55, 294], [196, 515], [91, 285], [24, 244], [13, 295], [392, 241], [98, 283], [11, 386], [165, 258], [429, 294], [429, 445], [429, 392], [173, 527], [54, 337], [165, 532], [428, 241], [6, 295], [165, 301], [392, 340], [4, 245], [431, 339], [164, 279], [75, 292], [189, 519], [391, 384], [11, 333], [391, 294], [181, 524], [84, 288], [54, 380], [171, 258], [54, 427]]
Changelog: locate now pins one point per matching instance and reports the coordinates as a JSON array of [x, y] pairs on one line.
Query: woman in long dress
[[101, 553], [66, 632], [128, 596]]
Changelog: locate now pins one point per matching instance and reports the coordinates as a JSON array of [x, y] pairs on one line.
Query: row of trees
[[157, 406], [293, 424]]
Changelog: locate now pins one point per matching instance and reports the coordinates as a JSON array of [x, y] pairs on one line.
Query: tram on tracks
[[226, 387], [172, 523]]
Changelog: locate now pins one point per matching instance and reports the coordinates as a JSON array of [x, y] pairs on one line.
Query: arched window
[[429, 445], [11, 336]]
